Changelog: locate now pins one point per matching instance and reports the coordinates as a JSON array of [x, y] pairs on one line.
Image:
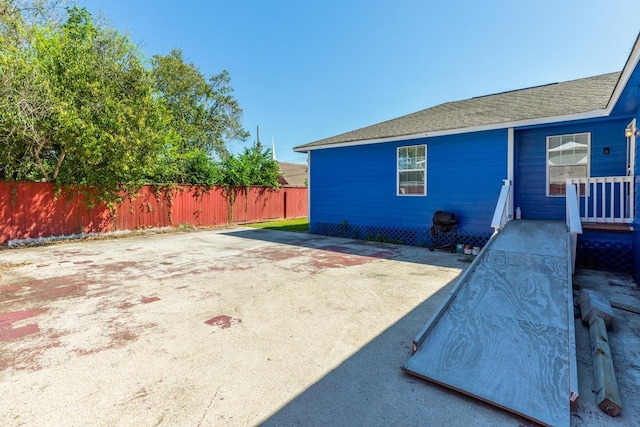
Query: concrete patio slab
[[224, 327]]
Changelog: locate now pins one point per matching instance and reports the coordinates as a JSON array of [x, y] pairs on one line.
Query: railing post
[[502, 213], [574, 223], [606, 199]]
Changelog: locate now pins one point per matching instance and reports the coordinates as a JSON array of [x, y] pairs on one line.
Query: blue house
[[385, 181]]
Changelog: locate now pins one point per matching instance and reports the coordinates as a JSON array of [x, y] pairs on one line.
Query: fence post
[[285, 203]]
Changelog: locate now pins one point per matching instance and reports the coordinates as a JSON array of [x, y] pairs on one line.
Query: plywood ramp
[[505, 334]]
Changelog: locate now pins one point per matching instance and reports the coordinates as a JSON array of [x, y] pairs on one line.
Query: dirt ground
[[243, 327], [624, 342]]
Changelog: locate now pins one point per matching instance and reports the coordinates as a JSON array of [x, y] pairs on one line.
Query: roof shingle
[[552, 100], [293, 174]]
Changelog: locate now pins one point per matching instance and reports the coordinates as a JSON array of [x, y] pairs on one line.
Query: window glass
[[412, 170], [567, 157]]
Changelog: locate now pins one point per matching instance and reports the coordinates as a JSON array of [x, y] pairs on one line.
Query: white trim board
[[497, 126], [627, 71]]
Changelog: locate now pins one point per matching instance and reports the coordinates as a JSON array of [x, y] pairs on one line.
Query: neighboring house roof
[[552, 100], [293, 174]]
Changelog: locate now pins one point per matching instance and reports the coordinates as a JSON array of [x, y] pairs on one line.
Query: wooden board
[[604, 375], [504, 336]]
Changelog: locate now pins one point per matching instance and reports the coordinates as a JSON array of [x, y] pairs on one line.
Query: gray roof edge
[[496, 126], [355, 140]]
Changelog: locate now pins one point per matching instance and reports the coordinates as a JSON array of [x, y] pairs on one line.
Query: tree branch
[[59, 164], [36, 154]]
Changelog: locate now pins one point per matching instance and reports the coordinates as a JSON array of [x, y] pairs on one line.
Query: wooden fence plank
[[35, 209], [6, 223]]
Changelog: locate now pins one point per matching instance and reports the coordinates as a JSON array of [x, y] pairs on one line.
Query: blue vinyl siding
[[530, 163], [358, 184]]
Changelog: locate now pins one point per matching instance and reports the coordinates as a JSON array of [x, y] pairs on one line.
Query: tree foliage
[[19, 17], [79, 107], [25, 97], [80, 104], [204, 113], [254, 166]]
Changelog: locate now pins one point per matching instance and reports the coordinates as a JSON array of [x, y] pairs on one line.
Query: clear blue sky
[[304, 70]]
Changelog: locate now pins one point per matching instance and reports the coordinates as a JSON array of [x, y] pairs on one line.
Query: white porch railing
[[608, 200], [574, 224], [502, 214]]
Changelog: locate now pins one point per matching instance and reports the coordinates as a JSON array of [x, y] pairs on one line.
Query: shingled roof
[[293, 174], [552, 100]]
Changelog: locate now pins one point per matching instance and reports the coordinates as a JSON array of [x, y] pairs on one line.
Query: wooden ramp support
[[596, 311]]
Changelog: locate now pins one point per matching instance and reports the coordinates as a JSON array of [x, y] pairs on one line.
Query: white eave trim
[[628, 69], [505, 125]]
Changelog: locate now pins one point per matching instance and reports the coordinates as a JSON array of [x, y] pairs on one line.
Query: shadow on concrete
[[369, 388], [413, 254]]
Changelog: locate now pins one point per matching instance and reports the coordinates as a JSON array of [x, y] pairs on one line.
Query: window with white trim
[[567, 157], [412, 171]]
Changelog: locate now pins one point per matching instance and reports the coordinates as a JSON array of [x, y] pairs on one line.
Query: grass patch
[[299, 225]]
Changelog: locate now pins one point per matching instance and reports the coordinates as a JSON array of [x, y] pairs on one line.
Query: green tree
[[81, 106], [205, 115], [25, 98], [254, 166], [18, 17], [25, 102], [200, 169]]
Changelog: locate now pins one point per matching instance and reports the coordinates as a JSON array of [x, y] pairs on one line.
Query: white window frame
[[398, 170], [548, 163]]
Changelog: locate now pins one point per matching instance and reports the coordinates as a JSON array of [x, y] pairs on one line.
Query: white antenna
[[273, 148]]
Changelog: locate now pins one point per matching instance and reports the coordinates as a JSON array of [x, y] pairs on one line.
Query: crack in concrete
[[206, 411]]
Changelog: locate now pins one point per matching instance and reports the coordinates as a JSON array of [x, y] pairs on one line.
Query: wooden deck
[[505, 335], [597, 226]]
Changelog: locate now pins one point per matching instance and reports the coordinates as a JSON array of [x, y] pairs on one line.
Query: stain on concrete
[[121, 335], [223, 322], [329, 259], [148, 300], [276, 254], [120, 338], [44, 291], [9, 332], [117, 267], [323, 258], [359, 251], [223, 268], [125, 305]]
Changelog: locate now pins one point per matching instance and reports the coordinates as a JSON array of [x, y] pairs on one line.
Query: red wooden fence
[[33, 209]]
